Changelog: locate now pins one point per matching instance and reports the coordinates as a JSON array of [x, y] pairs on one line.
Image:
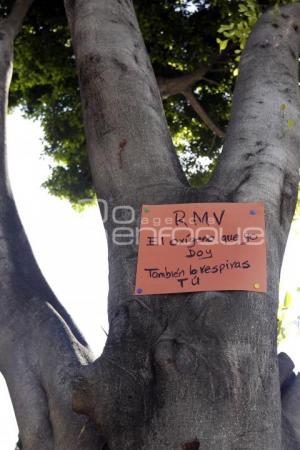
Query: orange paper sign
[[201, 247]]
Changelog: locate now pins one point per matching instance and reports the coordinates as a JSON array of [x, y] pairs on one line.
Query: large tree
[[177, 371]]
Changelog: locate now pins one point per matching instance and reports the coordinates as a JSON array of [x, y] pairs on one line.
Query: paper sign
[[201, 247]]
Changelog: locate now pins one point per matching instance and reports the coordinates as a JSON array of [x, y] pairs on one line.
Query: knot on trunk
[[116, 390], [193, 445]]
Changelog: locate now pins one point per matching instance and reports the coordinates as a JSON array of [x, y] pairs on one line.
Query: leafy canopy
[[180, 36]]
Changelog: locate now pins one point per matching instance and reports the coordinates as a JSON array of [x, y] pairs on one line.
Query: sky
[[71, 250]]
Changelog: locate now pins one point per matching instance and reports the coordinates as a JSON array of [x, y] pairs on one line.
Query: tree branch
[[262, 140], [195, 104], [286, 367], [183, 84], [210, 81], [16, 17], [169, 86], [132, 156], [176, 85], [124, 149], [40, 346], [260, 159], [291, 414]]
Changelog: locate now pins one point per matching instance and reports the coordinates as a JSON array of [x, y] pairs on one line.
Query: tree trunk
[[198, 370], [178, 371], [40, 347]]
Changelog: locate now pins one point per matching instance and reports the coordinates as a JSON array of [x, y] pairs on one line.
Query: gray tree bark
[[178, 371], [198, 370]]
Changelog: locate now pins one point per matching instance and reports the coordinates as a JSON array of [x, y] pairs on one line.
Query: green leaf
[[226, 27], [288, 300], [243, 8], [291, 123], [222, 44]]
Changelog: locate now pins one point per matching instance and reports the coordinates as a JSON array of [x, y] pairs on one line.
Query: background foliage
[[180, 36]]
